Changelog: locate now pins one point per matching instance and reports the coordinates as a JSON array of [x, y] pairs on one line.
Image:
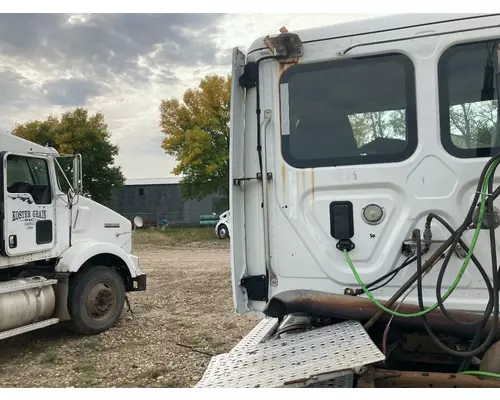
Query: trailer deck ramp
[[324, 357]]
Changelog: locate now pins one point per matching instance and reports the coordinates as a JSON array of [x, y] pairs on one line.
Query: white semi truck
[[364, 205], [63, 257]]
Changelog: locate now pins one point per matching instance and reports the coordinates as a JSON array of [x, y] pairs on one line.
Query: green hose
[[461, 272], [480, 373]]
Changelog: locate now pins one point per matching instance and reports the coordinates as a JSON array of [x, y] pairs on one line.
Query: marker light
[[373, 214]]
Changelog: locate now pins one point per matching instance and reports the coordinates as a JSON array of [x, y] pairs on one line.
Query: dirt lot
[[188, 302]]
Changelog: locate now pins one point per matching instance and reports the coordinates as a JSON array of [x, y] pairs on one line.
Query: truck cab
[[353, 134], [63, 257]]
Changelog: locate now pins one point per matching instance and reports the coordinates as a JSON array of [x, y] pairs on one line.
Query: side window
[[348, 112], [29, 175], [468, 103], [66, 164]]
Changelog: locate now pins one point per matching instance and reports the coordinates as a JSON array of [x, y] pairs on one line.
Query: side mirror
[[77, 174], [138, 222]]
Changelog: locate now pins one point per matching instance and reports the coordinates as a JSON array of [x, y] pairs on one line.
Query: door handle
[[12, 241]]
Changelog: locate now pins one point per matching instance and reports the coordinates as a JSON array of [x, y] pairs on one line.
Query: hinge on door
[[237, 181], [256, 287], [250, 75]]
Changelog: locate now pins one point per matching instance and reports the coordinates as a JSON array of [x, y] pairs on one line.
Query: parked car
[[223, 227]]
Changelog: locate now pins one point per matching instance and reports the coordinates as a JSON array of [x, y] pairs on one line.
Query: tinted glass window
[[66, 175], [346, 112], [29, 175], [468, 99]]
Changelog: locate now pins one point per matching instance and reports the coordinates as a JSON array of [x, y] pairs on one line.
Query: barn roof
[[171, 180]]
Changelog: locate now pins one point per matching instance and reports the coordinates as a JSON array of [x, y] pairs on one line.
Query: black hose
[[442, 271], [391, 274], [492, 333], [434, 338], [386, 282], [452, 240], [467, 360]]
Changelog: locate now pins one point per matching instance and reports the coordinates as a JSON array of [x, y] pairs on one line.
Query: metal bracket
[[250, 75], [256, 287], [285, 46], [409, 248], [237, 181]]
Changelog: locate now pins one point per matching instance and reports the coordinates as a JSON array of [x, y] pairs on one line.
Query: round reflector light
[[373, 214]]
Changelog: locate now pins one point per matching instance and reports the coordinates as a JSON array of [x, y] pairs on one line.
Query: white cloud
[[130, 71]]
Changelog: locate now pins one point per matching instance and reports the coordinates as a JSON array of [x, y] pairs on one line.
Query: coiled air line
[[485, 190]]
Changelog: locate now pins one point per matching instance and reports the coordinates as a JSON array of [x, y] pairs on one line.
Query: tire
[[96, 299], [223, 232]]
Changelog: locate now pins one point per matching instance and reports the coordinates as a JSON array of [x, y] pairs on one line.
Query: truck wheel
[[96, 300], [223, 231]]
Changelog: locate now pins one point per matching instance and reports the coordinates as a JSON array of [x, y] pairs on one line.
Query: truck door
[[28, 205]]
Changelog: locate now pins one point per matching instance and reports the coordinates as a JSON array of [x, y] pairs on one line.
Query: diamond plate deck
[[25, 284], [342, 347], [257, 334], [340, 379]]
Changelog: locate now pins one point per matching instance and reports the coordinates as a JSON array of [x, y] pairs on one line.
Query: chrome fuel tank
[[25, 301]]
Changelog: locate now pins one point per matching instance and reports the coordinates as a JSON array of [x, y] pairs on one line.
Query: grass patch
[[175, 236], [88, 380], [192, 340], [172, 383], [49, 357], [87, 374], [184, 324], [166, 381], [87, 368], [90, 345], [230, 325], [155, 373]]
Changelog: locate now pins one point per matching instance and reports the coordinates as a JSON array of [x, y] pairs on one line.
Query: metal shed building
[[154, 199]]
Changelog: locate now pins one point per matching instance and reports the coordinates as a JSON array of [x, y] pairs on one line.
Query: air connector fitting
[[345, 244]]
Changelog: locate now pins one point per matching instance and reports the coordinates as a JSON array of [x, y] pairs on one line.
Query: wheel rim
[[100, 301], [223, 232]]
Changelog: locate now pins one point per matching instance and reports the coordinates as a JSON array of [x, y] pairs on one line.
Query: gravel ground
[[188, 302]]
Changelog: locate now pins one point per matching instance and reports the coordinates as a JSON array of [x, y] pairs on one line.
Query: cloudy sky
[[123, 65]]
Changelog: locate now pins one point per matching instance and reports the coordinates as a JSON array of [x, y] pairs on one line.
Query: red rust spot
[[287, 63]]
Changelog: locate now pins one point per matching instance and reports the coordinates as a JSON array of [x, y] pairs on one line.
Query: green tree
[[397, 122], [379, 124], [197, 134], [473, 124], [361, 129], [77, 132]]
